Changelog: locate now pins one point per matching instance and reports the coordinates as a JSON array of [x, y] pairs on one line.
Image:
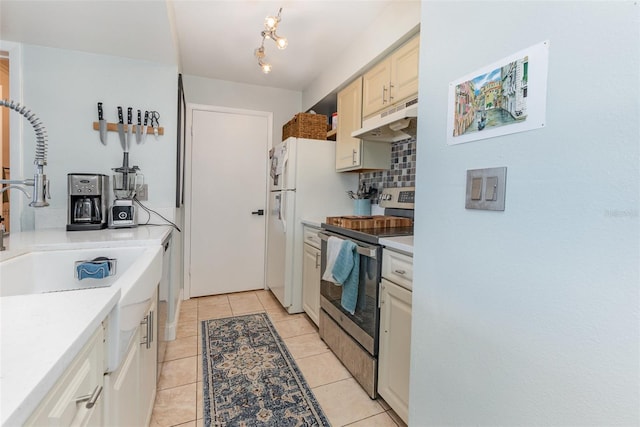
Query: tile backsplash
[[403, 168]]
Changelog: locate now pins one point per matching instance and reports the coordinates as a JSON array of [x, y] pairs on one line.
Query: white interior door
[[228, 183]]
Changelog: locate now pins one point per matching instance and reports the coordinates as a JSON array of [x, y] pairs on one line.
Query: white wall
[[530, 316], [394, 25], [63, 87], [284, 104]]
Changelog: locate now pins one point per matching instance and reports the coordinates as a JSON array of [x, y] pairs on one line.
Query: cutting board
[[365, 222]]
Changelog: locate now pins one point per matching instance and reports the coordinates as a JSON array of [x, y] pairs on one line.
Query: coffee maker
[[87, 201]]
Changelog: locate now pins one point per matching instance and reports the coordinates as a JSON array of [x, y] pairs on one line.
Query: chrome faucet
[[40, 183]]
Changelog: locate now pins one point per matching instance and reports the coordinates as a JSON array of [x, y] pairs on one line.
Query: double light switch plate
[[486, 189]]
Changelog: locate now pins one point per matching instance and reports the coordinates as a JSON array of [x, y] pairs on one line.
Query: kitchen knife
[[139, 128], [155, 123], [144, 129], [103, 125], [123, 142], [129, 126]]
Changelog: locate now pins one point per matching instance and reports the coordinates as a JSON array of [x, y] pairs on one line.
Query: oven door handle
[[368, 251]]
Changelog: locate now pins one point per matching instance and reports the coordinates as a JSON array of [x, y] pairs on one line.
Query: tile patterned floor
[[179, 394]]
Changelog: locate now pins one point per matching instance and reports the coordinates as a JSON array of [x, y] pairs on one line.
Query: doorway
[[227, 189], [5, 151]]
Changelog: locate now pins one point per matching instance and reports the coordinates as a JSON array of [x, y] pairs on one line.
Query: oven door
[[363, 324]]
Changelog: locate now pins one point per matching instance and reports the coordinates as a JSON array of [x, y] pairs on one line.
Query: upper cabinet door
[[404, 70], [349, 120], [375, 87], [393, 80]]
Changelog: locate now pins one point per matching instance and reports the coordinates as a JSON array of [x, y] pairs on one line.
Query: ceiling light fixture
[[270, 25]]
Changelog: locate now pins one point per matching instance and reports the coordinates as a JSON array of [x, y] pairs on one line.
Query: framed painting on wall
[[504, 97]]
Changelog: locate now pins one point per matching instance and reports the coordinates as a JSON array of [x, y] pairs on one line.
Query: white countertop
[[59, 238], [400, 243], [40, 334], [312, 222]]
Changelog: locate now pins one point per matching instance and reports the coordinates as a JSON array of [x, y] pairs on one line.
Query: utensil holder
[[362, 207]]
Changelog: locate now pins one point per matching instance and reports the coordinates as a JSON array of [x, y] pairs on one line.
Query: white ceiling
[[208, 38]]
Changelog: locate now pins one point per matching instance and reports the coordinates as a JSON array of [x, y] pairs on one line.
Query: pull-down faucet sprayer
[[40, 183]]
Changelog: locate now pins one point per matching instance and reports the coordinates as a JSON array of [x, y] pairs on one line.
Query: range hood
[[395, 124]]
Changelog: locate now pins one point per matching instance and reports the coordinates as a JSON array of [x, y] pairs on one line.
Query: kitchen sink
[[138, 270], [53, 271]]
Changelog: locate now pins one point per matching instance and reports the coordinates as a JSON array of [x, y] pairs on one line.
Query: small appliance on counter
[[126, 183], [87, 201]]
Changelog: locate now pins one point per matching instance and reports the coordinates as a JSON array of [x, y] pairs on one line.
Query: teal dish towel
[[346, 271], [93, 270]]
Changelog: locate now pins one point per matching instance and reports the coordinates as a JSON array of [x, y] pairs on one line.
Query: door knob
[[258, 212]]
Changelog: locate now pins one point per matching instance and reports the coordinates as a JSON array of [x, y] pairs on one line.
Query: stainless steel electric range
[[354, 337]]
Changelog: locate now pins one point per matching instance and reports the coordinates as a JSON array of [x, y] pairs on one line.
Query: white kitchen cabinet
[[375, 87], [311, 273], [76, 399], [148, 361], [131, 389], [354, 154], [392, 80], [398, 268], [395, 332]]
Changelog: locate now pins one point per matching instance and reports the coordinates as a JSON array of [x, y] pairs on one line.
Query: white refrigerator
[[303, 185]]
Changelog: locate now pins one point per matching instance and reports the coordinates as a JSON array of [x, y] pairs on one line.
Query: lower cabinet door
[[122, 385], [132, 388], [148, 364], [395, 347]]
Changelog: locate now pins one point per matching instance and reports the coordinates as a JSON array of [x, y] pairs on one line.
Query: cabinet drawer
[[311, 236], [66, 403], [397, 268]]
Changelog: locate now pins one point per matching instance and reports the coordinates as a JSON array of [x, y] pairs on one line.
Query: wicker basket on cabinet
[[305, 125]]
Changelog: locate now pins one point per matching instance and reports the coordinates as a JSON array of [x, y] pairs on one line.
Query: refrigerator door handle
[[279, 206], [285, 165], [283, 210]]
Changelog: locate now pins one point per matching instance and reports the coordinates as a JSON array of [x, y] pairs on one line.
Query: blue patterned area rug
[[250, 378]]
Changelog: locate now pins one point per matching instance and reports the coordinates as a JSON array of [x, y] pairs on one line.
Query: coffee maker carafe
[[87, 201]]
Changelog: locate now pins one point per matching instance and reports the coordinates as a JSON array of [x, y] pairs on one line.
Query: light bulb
[[270, 22], [266, 68], [282, 43]]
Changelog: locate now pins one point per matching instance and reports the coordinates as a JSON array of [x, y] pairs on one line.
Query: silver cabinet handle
[[390, 87], [150, 326], [353, 157], [399, 271], [91, 399], [317, 260], [148, 322], [384, 90]]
